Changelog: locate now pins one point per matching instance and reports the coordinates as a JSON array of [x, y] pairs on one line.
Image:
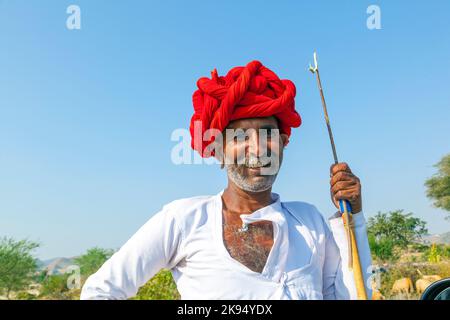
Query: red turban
[[245, 92]]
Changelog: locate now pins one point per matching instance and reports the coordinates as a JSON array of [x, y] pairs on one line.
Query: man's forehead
[[256, 123]]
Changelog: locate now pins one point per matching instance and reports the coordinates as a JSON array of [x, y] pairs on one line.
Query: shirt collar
[[272, 212]]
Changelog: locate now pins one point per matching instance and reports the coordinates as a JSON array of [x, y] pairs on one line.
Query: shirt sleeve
[[338, 280], [153, 247]]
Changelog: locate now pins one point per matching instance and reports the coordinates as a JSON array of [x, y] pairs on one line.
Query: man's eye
[[268, 133], [240, 137]]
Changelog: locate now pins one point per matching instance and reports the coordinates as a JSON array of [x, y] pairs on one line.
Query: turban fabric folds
[[245, 92]]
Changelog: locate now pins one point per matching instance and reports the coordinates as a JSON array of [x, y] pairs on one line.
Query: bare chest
[[251, 247]]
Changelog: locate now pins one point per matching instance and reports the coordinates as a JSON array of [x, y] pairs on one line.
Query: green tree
[[92, 260], [393, 230], [438, 186], [401, 228], [383, 248], [17, 264]]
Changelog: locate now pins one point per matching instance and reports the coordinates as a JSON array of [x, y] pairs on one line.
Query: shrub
[[160, 287], [23, 295]]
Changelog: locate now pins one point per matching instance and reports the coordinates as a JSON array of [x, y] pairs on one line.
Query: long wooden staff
[[345, 208]]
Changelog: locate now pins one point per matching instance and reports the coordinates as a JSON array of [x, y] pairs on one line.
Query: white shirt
[[307, 260]]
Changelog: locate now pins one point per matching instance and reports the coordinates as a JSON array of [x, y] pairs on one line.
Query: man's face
[[253, 152]]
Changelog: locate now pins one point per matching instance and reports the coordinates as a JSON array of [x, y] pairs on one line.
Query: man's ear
[[219, 155], [284, 139]]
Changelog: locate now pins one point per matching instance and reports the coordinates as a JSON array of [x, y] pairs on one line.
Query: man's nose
[[255, 146]]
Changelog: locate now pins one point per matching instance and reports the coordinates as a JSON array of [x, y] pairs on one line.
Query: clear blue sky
[[86, 115]]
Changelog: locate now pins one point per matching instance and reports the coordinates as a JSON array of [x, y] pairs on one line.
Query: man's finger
[[344, 185], [342, 176], [341, 166], [346, 194]]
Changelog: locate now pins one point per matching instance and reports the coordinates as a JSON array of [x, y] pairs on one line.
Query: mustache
[[253, 161]]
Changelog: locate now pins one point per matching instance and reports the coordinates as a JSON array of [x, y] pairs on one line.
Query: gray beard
[[263, 184]]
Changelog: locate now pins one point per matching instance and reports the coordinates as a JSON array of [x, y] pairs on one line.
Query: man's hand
[[345, 186]]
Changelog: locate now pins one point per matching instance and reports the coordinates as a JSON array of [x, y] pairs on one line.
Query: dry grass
[[409, 270]]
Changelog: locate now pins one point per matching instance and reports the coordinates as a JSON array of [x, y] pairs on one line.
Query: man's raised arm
[[338, 279]]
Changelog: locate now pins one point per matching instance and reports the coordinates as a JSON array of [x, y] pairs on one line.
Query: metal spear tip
[[311, 68]]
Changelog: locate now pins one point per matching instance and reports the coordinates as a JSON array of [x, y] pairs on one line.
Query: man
[[244, 242]]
